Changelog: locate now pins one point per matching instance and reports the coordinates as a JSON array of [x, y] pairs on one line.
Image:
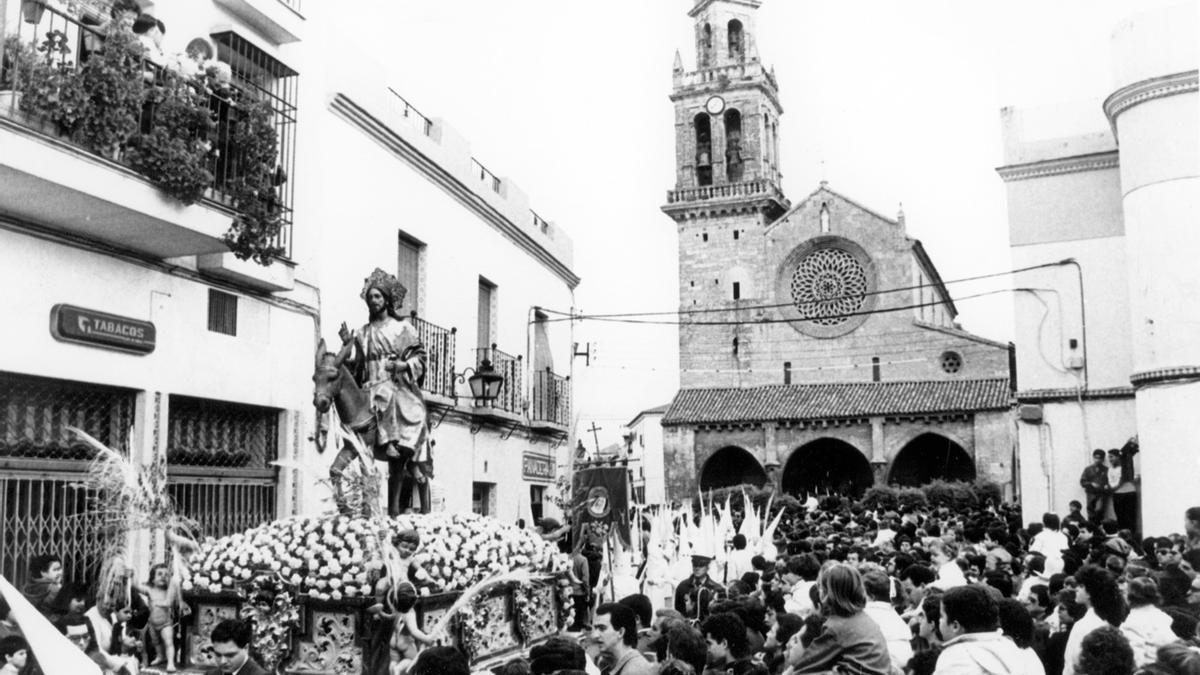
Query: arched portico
[[928, 457], [827, 465], [730, 466]]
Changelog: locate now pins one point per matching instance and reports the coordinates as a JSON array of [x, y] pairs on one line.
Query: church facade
[[818, 347]]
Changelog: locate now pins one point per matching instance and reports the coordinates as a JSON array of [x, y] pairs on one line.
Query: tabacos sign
[[100, 329]]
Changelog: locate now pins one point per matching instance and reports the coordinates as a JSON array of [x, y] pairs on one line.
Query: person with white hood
[[974, 646]]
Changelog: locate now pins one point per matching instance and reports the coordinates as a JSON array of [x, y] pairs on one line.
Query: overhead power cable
[[764, 320], [900, 289]]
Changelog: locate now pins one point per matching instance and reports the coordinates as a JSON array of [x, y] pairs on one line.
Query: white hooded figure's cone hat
[[54, 652]]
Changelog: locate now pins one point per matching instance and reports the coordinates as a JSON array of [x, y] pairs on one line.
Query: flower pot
[[32, 11]]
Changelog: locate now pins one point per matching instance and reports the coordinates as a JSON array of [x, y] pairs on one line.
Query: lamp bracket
[[441, 417]]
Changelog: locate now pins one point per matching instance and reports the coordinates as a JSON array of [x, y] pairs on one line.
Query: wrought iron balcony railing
[[509, 366], [551, 398], [45, 54], [439, 356]]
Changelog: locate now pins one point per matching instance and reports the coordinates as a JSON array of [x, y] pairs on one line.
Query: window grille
[[263, 77], [226, 507], [222, 312], [203, 432], [44, 513], [35, 413]]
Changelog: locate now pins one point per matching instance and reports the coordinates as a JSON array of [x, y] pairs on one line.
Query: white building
[[135, 321], [139, 326], [1118, 200], [399, 189], [646, 455]]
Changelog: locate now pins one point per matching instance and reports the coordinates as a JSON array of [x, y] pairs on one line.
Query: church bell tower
[[727, 188], [726, 120]]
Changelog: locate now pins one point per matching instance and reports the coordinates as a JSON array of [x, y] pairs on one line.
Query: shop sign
[[100, 329], [538, 467]]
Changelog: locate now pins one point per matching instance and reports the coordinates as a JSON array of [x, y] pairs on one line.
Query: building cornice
[[1073, 394], [1174, 374], [380, 132], [1147, 90], [1053, 167]]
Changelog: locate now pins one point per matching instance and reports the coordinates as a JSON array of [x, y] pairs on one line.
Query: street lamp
[[484, 381]]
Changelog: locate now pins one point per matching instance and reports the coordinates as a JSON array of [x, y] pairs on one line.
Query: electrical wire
[[900, 289], [740, 322]]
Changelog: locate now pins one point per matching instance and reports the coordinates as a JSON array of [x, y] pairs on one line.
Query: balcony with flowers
[[104, 137]]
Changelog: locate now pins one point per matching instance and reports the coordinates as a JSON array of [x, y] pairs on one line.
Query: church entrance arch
[[827, 465], [730, 466], [931, 457]]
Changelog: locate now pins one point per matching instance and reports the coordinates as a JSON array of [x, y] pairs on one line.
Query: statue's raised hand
[[344, 333]]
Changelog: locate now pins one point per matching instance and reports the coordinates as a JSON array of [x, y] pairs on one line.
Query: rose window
[[828, 285]]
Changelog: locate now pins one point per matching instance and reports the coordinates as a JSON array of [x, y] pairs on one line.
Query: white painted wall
[[255, 367], [648, 447], [1053, 454], [360, 197]]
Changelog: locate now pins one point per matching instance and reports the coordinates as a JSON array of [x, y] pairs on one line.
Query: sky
[[892, 102]]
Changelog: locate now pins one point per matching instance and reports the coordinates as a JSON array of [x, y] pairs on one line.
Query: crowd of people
[[914, 591]]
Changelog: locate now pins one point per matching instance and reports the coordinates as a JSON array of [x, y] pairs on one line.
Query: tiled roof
[[833, 401]]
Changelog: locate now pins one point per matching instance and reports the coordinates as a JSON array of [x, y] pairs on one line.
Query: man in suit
[[230, 640]]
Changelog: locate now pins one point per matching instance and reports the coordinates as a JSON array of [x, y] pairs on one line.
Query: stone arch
[[827, 465], [931, 456], [729, 466]]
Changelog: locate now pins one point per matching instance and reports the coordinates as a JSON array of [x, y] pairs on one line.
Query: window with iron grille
[[42, 513], [41, 509], [262, 77], [35, 413], [222, 312], [203, 432]]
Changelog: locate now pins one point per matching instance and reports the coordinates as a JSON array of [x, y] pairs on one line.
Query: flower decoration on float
[[334, 557]]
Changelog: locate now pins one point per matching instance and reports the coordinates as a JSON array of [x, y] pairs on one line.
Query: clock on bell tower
[[726, 119]]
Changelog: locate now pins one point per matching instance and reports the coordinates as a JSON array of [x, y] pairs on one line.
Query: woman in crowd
[[850, 641], [1098, 591]]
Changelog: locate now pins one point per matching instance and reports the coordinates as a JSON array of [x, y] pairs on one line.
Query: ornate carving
[[488, 628], [828, 284], [537, 611], [332, 646], [199, 646]]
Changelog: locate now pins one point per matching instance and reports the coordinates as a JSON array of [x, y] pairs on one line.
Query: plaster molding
[[1174, 374], [379, 131], [1147, 90], [1063, 165]]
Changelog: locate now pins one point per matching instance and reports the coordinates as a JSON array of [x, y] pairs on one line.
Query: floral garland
[[329, 557], [274, 615], [526, 610]]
